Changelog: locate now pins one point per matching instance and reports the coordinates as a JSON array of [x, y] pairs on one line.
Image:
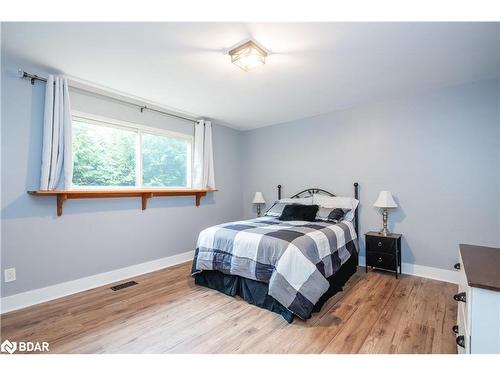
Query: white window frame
[[140, 130]]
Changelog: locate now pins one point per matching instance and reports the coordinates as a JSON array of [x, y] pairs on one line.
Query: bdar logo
[[8, 347]]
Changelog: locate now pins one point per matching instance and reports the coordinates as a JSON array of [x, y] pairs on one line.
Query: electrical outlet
[[9, 274]]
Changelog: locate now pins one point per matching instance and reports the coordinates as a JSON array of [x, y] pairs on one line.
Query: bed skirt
[[256, 292]]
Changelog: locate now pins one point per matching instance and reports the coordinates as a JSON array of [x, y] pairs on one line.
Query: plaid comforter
[[293, 257]]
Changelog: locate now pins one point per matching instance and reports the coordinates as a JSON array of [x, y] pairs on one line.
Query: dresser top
[[481, 266]]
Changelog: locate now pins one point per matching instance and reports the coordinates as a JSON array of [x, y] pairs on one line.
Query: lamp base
[[385, 215], [384, 232]]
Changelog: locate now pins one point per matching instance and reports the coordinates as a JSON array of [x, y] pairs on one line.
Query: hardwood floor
[[167, 313]]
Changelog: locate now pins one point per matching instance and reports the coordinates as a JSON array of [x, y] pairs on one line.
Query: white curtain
[[203, 165], [57, 158]]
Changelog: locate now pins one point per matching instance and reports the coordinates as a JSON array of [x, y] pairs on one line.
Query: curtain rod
[[34, 77]]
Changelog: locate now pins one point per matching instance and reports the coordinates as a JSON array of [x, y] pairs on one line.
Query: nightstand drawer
[[381, 260], [381, 244]]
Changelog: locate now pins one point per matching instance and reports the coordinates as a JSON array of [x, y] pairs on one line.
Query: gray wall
[[94, 236], [438, 153]]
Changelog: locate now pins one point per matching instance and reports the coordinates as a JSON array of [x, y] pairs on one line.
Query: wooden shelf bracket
[[145, 197], [60, 200]]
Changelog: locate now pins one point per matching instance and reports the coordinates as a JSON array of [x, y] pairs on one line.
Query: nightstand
[[383, 252]]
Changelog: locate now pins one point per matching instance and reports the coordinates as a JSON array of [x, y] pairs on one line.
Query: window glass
[[165, 160], [106, 154], [103, 156]]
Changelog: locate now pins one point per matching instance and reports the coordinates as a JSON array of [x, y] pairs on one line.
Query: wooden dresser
[[478, 298]]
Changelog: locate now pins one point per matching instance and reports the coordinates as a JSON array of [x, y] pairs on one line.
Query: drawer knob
[[379, 260], [454, 329], [460, 297], [461, 341], [379, 244], [457, 266]]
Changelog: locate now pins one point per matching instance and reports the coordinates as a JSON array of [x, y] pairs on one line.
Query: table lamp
[[385, 201], [258, 200]]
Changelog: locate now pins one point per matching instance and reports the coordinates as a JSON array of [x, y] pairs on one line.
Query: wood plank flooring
[[167, 313]]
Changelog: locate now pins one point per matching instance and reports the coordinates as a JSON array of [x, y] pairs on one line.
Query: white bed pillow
[[337, 202], [308, 200], [278, 206]]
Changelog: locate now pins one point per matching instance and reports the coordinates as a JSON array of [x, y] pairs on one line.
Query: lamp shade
[[258, 198], [385, 200]]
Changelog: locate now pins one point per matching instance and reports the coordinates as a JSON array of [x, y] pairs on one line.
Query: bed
[[288, 267]]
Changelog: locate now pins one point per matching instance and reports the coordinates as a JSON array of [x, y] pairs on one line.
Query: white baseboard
[[434, 273], [33, 297]]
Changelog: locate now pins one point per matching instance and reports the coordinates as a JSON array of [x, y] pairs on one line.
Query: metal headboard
[[309, 192]]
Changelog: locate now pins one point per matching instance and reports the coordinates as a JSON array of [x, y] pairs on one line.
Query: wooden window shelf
[[144, 194]]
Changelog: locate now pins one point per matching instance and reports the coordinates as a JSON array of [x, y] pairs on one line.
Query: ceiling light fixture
[[248, 55]]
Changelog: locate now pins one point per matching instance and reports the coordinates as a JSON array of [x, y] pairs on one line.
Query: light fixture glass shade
[[258, 198], [247, 56], [385, 200]]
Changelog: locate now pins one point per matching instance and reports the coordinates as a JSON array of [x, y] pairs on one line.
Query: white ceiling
[[313, 67]]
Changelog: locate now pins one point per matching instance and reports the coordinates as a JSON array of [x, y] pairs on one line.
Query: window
[[113, 154]]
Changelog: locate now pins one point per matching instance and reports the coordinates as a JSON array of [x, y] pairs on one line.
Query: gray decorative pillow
[[333, 215]]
